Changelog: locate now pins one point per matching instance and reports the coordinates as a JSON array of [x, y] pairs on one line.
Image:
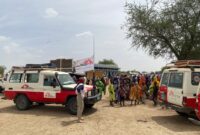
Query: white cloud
[[51, 13], [86, 33], [8, 45], [3, 39], [13, 53]]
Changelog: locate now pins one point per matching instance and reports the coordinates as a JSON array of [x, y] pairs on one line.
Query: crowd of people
[[135, 88], [121, 88]]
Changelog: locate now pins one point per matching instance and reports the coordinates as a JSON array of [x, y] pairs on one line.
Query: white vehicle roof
[[184, 66], [50, 72], [182, 69]]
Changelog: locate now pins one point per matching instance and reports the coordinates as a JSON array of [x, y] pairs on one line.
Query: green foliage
[[165, 29], [107, 62]]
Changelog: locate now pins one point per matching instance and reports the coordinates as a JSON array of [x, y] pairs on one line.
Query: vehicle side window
[[195, 78], [49, 81], [176, 80], [16, 77], [165, 79], [32, 78]]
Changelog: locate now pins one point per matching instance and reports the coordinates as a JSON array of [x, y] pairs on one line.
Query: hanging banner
[[84, 65]]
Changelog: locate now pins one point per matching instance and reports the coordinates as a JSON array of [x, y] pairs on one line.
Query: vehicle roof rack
[[184, 64], [45, 65], [187, 63], [33, 69]]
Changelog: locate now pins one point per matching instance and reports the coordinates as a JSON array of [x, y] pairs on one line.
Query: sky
[[36, 31]]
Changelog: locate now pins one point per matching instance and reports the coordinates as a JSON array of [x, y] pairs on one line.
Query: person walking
[[122, 93], [116, 88], [111, 93], [100, 86], [155, 92], [80, 99], [133, 94], [138, 93], [144, 92]]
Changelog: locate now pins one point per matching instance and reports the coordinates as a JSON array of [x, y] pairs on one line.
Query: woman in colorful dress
[[111, 93], [133, 94]]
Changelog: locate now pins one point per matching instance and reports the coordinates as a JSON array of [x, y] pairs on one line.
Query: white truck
[[45, 86], [179, 87]]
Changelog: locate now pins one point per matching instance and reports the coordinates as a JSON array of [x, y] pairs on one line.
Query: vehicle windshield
[[65, 79]]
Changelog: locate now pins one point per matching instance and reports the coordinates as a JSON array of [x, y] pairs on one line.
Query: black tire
[[41, 104], [1, 89], [89, 105], [22, 102], [72, 106], [182, 114]]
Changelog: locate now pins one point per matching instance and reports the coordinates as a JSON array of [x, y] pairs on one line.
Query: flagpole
[[93, 42], [94, 85]]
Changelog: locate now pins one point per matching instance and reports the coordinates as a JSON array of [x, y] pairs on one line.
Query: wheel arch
[[68, 98], [20, 93]]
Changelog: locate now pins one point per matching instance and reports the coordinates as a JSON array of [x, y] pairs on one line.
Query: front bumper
[[92, 99]]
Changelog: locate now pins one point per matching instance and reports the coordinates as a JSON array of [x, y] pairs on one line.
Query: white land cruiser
[[179, 85], [25, 86]]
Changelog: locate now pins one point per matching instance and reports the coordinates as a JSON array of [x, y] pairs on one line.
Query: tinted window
[[195, 78], [49, 81], [32, 78], [165, 79], [176, 80], [16, 78]]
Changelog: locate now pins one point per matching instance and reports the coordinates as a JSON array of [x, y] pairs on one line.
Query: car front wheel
[[72, 106]]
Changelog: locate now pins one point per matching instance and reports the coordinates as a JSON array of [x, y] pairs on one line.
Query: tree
[[165, 29], [107, 62]]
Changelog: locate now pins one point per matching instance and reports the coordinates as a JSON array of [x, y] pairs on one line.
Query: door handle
[[194, 95], [10, 88]]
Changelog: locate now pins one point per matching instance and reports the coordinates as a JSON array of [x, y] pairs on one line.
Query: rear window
[[32, 78], [165, 79], [16, 77], [176, 80], [195, 78]]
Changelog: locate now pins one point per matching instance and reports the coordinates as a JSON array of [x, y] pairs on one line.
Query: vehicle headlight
[[89, 93]]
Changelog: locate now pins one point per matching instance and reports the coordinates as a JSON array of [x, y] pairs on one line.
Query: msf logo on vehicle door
[[49, 95]]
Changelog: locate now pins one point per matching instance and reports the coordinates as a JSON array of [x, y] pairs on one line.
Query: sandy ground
[[101, 120]]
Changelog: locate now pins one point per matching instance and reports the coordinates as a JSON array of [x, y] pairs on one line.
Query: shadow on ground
[[176, 123], [47, 110], [68, 123]]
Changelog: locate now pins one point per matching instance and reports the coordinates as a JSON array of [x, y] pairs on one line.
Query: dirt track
[[101, 120]]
